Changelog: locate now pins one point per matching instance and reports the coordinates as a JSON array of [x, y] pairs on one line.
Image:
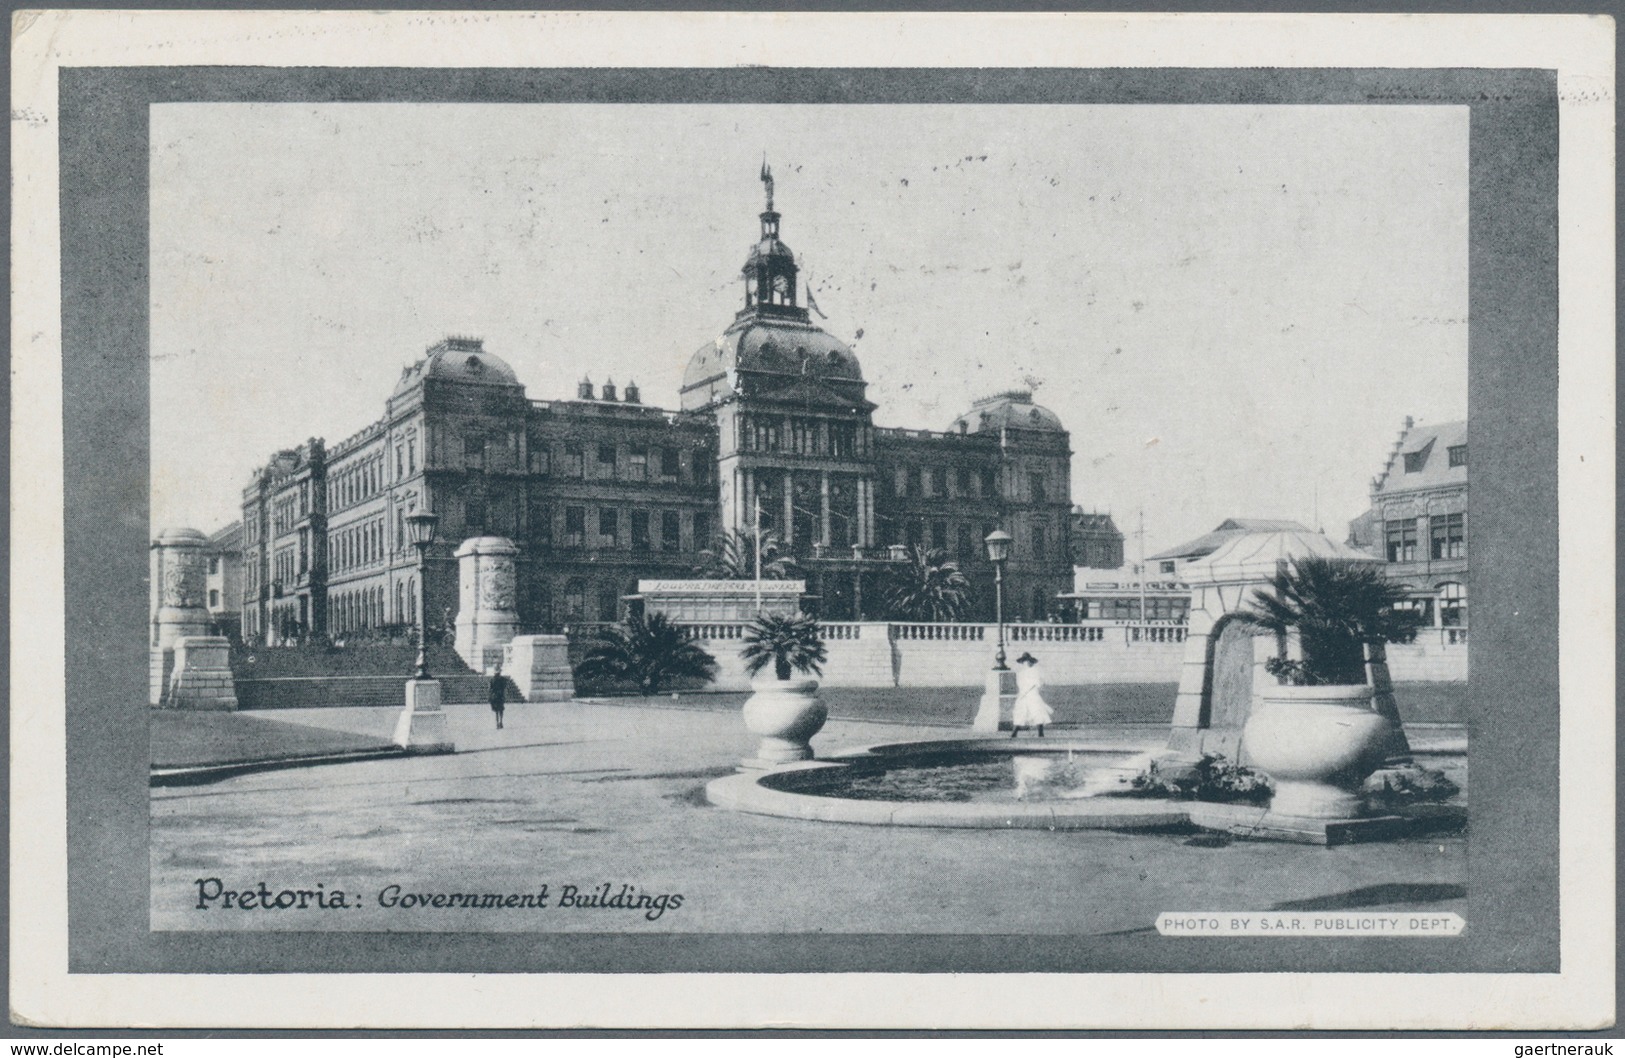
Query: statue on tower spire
[[767, 180]]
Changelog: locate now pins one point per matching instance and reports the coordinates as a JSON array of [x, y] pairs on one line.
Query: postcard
[[872, 520]]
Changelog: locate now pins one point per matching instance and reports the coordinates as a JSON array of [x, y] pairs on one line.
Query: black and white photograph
[[608, 515]]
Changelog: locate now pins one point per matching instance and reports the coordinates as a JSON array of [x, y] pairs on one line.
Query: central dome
[[773, 337]]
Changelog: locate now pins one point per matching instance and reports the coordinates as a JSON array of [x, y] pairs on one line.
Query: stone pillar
[[823, 508], [202, 674], [487, 618], [178, 584], [998, 704], [787, 530], [540, 667]]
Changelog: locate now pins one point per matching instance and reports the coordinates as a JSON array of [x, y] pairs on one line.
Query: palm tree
[[788, 641], [733, 557], [1336, 606], [649, 651], [929, 587]]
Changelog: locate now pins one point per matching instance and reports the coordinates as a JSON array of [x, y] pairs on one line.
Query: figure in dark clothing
[[499, 694]]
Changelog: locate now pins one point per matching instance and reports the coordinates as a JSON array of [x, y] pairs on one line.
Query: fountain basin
[[833, 789], [856, 787]]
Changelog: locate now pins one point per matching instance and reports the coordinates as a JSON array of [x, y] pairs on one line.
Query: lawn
[[186, 739]]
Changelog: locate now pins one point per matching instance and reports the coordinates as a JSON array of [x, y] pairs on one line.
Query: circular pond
[[1053, 784]]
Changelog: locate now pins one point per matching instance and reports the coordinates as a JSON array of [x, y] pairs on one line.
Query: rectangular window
[[1039, 488], [474, 515], [939, 535], [967, 544], [609, 526], [214, 564], [1401, 538], [703, 463], [967, 481], [1448, 537], [637, 464], [671, 463], [670, 531], [1458, 455], [990, 482], [541, 525], [575, 526], [473, 453], [606, 458], [913, 482], [915, 533], [1414, 461], [1039, 541], [640, 530], [574, 461], [411, 456], [539, 461], [702, 530]]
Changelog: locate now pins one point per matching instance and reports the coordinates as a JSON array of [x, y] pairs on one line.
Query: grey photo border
[[1512, 902]]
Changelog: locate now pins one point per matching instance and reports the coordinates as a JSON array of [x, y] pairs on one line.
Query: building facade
[[1417, 522], [774, 431]]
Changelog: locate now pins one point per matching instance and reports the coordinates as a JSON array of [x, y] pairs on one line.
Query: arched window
[[400, 603], [411, 600], [1040, 604], [1453, 605]]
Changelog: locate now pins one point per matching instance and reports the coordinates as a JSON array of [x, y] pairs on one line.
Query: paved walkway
[[584, 794]]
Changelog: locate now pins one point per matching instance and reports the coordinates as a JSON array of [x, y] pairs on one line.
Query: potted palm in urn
[[785, 711], [1318, 733]]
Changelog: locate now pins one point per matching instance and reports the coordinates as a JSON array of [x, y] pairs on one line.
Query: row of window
[[1447, 537], [798, 435], [356, 546], [1448, 609], [644, 528], [642, 463], [356, 482], [351, 611], [963, 540], [927, 482]]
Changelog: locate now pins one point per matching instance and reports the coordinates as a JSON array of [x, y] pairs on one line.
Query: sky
[[1232, 308]]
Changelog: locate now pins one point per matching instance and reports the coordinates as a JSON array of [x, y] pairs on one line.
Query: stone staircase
[[323, 677]]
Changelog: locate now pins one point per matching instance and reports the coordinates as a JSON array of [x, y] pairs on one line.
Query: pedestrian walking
[[499, 694], [1030, 709]]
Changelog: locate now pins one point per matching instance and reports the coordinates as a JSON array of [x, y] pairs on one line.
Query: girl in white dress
[[1030, 709]]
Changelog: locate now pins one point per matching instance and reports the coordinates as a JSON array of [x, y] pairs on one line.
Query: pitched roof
[[1421, 459], [1227, 530]]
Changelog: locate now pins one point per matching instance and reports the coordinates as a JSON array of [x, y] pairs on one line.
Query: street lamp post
[[998, 550], [420, 527], [422, 724], [1000, 686]]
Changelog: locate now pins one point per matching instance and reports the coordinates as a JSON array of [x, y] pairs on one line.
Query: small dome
[[1012, 408], [785, 347], [458, 360]]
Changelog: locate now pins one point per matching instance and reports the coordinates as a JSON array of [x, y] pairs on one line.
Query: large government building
[[774, 426]]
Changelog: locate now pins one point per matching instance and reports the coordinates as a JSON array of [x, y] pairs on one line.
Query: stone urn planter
[[1317, 744], [785, 715]]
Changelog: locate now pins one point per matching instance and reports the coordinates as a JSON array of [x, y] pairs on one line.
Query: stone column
[[823, 508], [177, 594], [787, 533], [487, 618]]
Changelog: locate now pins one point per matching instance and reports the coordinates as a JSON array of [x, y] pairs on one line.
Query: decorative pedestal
[[785, 714], [486, 617], [177, 571], [422, 724], [998, 702], [540, 667], [201, 678]]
